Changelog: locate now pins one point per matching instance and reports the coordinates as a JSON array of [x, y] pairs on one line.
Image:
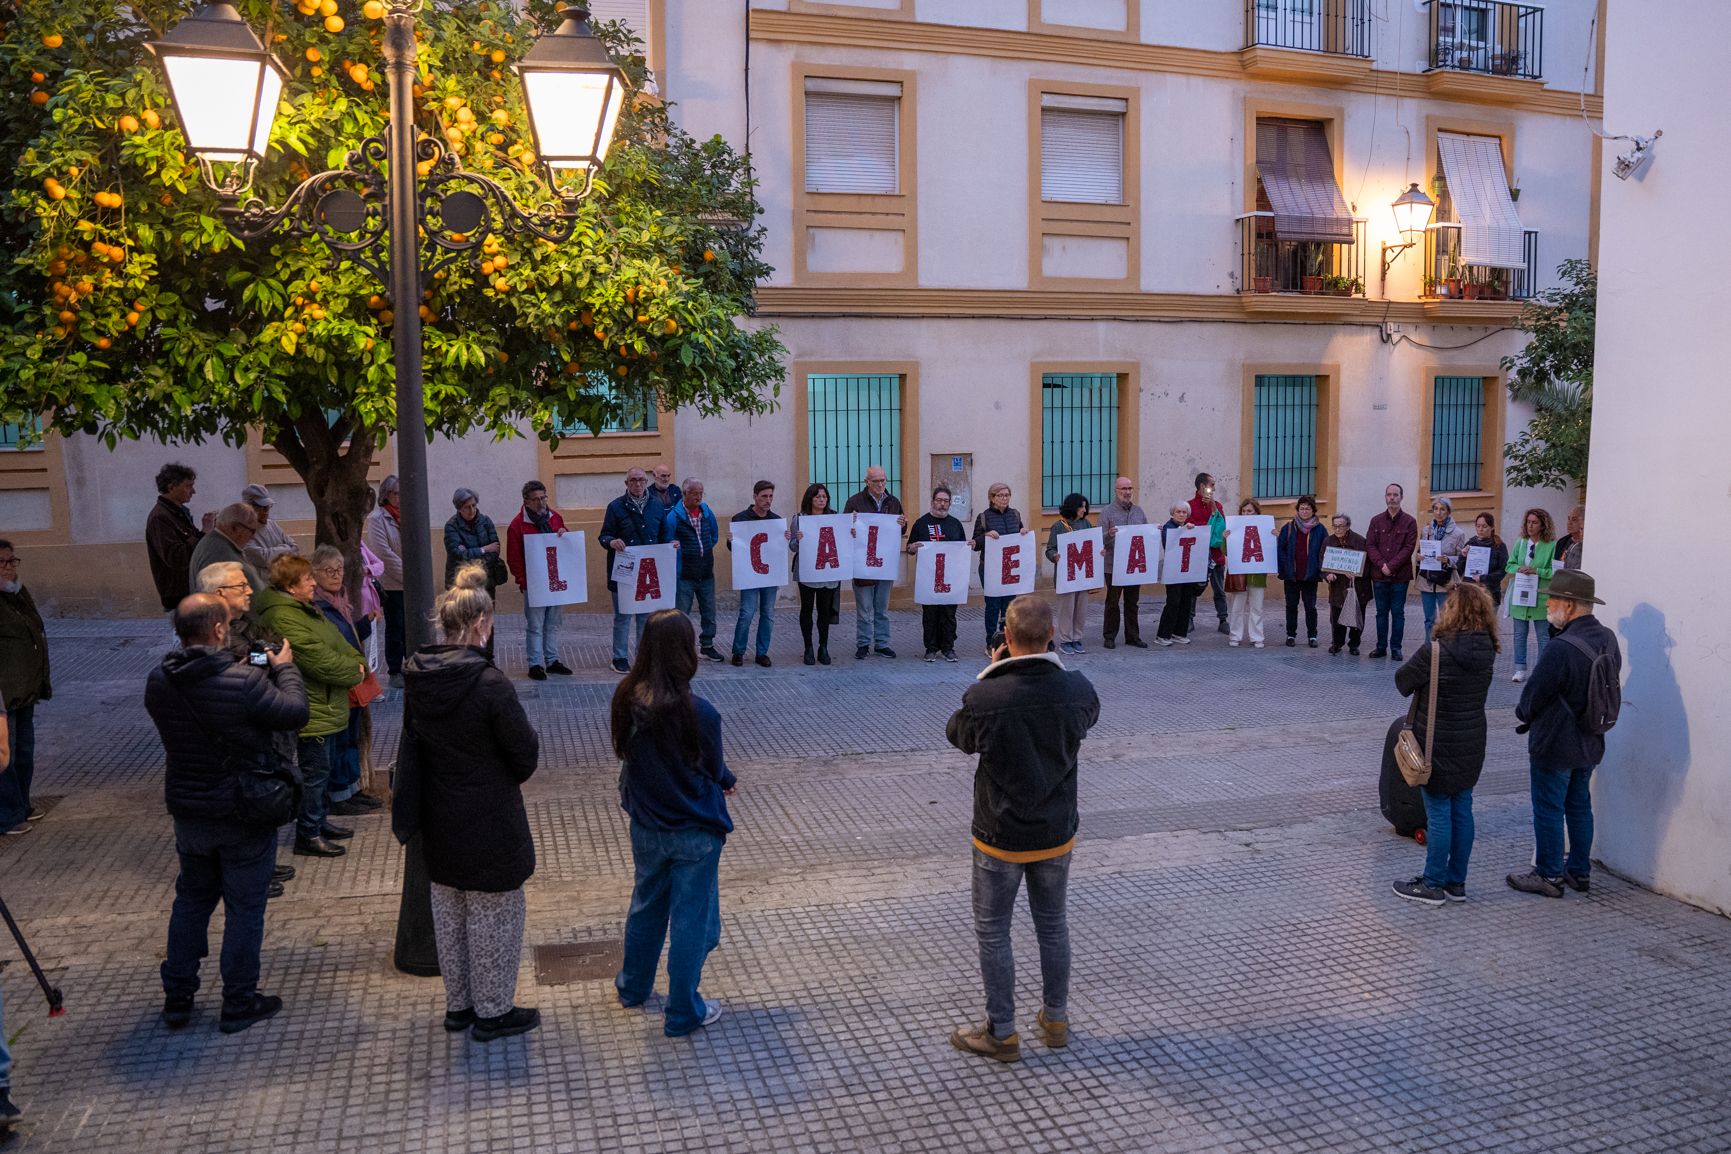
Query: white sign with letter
[[941, 571], [877, 547], [1010, 565], [553, 569], [1081, 560], [1250, 546], [760, 557], [826, 548], [1478, 560], [1136, 555], [1186, 556], [648, 576]]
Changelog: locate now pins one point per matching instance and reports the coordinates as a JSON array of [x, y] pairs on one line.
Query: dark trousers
[[1131, 594], [315, 761], [226, 861], [1216, 585], [1295, 591], [1344, 635], [939, 625], [15, 781], [392, 602], [1391, 614], [823, 603], [1180, 608], [996, 607]]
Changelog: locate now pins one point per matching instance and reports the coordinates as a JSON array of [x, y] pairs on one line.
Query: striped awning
[[1478, 185], [1297, 172]]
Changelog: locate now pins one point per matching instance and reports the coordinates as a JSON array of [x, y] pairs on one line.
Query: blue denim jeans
[[759, 603], [1541, 634], [541, 634], [315, 760], [1390, 603], [674, 899], [345, 759], [1563, 796], [15, 781], [227, 862], [702, 592], [995, 885], [1448, 837], [1432, 600], [624, 630], [5, 1054], [996, 607], [871, 601]]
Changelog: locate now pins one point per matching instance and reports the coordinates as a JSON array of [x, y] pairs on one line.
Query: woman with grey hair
[[384, 536], [471, 536], [1434, 582]]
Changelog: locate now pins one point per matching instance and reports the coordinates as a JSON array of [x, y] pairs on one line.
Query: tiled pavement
[[1243, 979]]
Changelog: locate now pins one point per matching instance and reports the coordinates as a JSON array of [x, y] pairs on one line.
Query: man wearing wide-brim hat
[[1563, 750]]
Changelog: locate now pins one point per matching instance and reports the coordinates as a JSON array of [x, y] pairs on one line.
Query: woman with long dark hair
[[823, 598], [674, 783]]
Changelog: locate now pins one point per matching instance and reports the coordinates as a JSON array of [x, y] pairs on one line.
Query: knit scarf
[[1436, 532], [543, 521]]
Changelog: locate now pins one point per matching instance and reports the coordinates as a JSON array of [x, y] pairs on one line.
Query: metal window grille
[[637, 415], [12, 435], [853, 421], [1283, 436], [1078, 437], [1457, 434]]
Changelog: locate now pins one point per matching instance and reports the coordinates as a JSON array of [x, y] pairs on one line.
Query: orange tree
[[129, 310]]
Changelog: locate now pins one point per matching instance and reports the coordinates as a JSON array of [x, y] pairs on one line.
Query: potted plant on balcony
[[1310, 280], [1471, 289], [1497, 287], [1431, 288], [1452, 282]]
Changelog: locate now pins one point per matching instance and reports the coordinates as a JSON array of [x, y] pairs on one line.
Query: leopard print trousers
[[480, 937]]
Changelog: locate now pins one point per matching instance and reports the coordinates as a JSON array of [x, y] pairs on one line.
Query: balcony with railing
[[1488, 37], [1327, 40], [1269, 264], [1448, 277]]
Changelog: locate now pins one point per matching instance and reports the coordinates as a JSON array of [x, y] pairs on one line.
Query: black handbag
[[266, 792], [497, 571]]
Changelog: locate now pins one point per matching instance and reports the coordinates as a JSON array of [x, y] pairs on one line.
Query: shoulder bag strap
[[1430, 709]]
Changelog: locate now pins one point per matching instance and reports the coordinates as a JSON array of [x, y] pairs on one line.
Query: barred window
[[853, 421], [1457, 434], [1283, 436], [1078, 437]]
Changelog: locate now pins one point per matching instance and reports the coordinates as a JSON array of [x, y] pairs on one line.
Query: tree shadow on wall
[[1650, 745]]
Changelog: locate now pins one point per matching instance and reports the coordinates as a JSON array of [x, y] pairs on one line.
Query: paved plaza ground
[[1244, 980]]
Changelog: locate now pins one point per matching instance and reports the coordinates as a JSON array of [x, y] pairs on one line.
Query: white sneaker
[[1181, 641], [1234, 644], [712, 1014], [1164, 642], [1259, 645], [1520, 676]]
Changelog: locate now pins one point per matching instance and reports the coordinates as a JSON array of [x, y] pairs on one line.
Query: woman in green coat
[[1532, 554], [330, 666]]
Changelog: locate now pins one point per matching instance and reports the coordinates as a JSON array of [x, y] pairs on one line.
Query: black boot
[[516, 1020], [10, 1114], [823, 654], [810, 656]]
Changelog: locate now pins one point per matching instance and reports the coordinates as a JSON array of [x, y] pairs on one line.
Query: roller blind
[[1297, 170], [635, 14], [1491, 234], [852, 137], [1082, 149]]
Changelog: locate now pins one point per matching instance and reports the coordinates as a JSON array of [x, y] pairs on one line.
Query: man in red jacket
[[1205, 510], [1391, 538], [541, 628]]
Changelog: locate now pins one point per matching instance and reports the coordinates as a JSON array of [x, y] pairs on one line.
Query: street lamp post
[[375, 211]]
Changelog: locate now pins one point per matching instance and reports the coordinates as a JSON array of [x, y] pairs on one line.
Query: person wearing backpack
[[1568, 706]]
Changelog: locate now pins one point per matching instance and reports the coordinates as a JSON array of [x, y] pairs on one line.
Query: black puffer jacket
[[1026, 718], [202, 700], [467, 748], [1464, 682]]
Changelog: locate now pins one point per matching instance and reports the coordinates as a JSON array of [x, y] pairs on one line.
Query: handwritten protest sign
[[877, 547], [760, 557], [648, 576], [941, 572], [1010, 565], [1136, 555], [826, 550], [1250, 545], [1186, 556], [1081, 560], [553, 569], [1338, 560]]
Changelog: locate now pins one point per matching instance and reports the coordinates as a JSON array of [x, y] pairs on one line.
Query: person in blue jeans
[[690, 524], [634, 518], [872, 598], [758, 603], [1563, 746], [1464, 645], [674, 783], [1390, 539]]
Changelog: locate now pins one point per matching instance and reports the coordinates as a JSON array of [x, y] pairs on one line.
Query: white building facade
[[1046, 242]]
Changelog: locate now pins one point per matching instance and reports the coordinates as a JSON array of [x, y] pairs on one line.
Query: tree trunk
[[333, 461]]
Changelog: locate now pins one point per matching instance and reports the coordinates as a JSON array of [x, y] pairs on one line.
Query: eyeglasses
[[10, 562], [237, 585], [330, 570]]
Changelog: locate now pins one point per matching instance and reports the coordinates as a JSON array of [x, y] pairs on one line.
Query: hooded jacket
[[207, 705], [1026, 718], [467, 748], [23, 651], [328, 663], [1464, 680]]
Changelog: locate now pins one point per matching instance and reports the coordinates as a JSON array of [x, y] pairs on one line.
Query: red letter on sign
[[1080, 557], [758, 564], [1252, 544], [1012, 571], [939, 585], [827, 557], [553, 582], [873, 561], [1184, 544], [1137, 559], [648, 580]]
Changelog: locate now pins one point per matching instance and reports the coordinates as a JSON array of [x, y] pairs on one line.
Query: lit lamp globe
[[575, 94], [225, 87], [1412, 210]]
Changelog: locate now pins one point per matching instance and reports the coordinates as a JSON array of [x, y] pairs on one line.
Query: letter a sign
[[1250, 545], [554, 570], [647, 577], [1082, 560], [1010, 565], [1136, 555], [826, 548]]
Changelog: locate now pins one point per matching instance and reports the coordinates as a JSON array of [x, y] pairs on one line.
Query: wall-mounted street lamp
[[1412, 210]]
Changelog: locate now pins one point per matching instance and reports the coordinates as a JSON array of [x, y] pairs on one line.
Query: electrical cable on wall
[[1634, 161]]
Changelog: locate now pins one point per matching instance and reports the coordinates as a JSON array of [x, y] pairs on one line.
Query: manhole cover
[[558, 965]]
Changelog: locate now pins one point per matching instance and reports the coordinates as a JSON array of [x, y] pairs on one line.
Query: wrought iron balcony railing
[[1338, 26], [1448, 277], [1269, 264], [1487, 36]]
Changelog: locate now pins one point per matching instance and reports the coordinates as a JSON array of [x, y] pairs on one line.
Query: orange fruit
[[132, 319], [53, 40], [128, 123], [571, 368], [502, 285], [54, 189], [315, 71], [453, 102], [486, 268], [386, 317], [37, 78], [503, 356], [708, 254], [501, 118], [373, 10], [501, 261], [151, 119], [103, 342], [39, 98], [497, 56], [333, 24], [585, 318], [465, 115], [358, 73], [670, 326], [375, 301], [116, 254], [495, 138], [68, 317], [314, 55], [642, 318], [327, 7]]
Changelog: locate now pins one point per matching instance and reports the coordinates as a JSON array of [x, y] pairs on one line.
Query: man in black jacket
[[23, 682], [635, 518], [1025, 716], [1562, 750], [212, 712]]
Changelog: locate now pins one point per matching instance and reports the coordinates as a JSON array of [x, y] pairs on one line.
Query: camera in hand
[[259, 652]]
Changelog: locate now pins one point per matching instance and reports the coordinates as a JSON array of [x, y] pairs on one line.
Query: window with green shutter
[[638, 415], [1457, 430], [853, 421], [1283, 436], [1078, 437]]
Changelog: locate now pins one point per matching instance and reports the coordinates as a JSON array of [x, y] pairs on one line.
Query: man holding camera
[[216, 713], [1026, 716]]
